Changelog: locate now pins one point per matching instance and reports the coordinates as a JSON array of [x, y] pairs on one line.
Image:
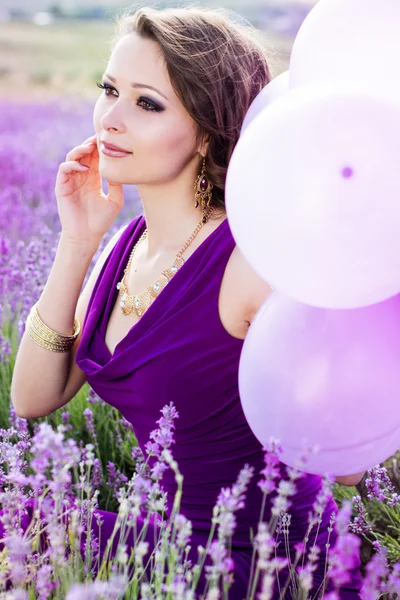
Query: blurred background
[[50, 48]]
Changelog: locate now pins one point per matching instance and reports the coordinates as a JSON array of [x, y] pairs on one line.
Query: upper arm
[[76, 377], [255, 290]]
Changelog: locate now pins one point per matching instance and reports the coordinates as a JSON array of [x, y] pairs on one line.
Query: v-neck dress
[[179, 351]]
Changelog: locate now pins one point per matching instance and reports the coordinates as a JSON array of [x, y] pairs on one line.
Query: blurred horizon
[[59, 49], [44, 5]]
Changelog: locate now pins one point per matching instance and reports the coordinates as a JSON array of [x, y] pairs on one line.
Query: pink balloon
[[349, 42], [325, 377], [271, 92], [312, 196]]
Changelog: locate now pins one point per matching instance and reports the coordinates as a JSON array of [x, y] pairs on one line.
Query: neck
[[170, 215]]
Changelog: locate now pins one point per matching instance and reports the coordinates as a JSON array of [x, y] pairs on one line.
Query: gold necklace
[[141, 302]]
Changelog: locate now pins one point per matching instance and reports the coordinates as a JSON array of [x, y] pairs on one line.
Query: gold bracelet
[[46, 337]]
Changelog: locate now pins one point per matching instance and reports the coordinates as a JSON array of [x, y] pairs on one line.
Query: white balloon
[[312, 196], [349, 41], [271, 92], [323, 377]]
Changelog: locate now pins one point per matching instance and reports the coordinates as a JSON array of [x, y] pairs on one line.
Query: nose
[[112, 120]]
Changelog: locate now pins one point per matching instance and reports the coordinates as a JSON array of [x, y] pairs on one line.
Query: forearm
[[40, 375]]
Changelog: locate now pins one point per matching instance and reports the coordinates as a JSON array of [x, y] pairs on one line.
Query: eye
[[108, 89], [149, 105]]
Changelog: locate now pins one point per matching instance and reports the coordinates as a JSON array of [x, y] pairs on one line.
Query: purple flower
[[162, 438], [359, 524], [393, 584], [89, 422], [222, 563], [184, 531], [378, 484], [232, 499], [115, 478], [5, 349], [265, 545], [126, 424], [19, 425], [44, 583], [229, 501], [137, 453], [271, 471], [374, 583], [93, 398], [112, 589], [344, 555], [158, 470], [96, 474]]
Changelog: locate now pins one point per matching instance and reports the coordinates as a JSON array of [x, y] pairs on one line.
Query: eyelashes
[[104, 86], [145, 103], [151, 106]]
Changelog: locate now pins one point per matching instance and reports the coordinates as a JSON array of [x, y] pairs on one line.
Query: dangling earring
[[203, 192]]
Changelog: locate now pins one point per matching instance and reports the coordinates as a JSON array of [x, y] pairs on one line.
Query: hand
[[350, 480], [86, 212]]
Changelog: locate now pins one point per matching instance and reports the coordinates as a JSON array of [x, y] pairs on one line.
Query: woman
[[168, 304]]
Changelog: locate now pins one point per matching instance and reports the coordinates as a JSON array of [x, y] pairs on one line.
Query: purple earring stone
[[204, 184]]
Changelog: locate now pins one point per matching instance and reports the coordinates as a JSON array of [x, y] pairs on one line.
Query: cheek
[[163, 138], [98, 112]]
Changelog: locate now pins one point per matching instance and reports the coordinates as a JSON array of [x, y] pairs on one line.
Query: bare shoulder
[[242, 293], [254, 289]]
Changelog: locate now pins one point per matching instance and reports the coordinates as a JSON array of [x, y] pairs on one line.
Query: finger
[[79, 152], [71, 166]]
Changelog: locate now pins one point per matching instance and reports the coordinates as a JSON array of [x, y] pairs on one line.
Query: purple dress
[[179, 351]]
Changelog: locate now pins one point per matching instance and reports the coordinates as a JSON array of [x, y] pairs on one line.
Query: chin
[[112, 175]]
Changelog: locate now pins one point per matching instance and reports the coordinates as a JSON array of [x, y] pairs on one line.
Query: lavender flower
[[112, 589], [93, 398], [265, 545], [115, 478], [229, 501], [344, 555], [89, 423], [183, 528], [359, 524], [163, 437], [374, 583], [271, 471], [378, 484], [44, 582], [96, 475], [5, 349]]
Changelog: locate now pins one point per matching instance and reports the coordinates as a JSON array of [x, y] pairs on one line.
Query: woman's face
[[151, 124]]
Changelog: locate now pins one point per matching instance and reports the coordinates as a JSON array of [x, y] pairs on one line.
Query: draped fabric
[[179, 351]]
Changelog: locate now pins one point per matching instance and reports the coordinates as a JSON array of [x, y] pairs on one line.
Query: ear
[[203, 146]]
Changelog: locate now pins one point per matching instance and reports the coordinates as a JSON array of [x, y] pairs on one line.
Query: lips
[[114, 147], [113, 150]]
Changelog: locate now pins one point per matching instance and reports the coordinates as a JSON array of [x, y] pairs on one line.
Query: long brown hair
[[217, 66]]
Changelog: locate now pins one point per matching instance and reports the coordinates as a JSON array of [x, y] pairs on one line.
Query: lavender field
[[34, 139], [85, 455], [90, 435]]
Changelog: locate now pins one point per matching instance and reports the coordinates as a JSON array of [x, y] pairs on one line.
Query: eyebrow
[[138, 85]]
